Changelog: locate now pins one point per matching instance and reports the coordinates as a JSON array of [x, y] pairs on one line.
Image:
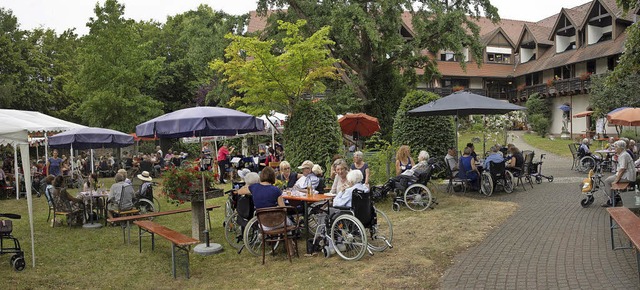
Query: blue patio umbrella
[[565, 108], [198, 122], [90, 138], [616, 110]]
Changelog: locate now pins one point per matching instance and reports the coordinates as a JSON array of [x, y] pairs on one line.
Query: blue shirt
[[54, 166], [344, 198], [495, 157], [264, 195]]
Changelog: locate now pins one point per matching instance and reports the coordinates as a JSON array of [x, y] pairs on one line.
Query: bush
[[433, 134], [312, 133], [378, 165], [631, 134], [540, 124]]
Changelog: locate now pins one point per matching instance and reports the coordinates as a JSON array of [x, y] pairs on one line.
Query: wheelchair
[[6, 227], [589, 162], [409, 190], [352, 231], [239, 212], [496, 175]]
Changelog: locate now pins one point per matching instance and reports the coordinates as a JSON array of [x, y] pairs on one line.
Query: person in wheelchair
[[343, 198], [340, 182], [583, 150], [146, 189], [264, 193], [496, 157]]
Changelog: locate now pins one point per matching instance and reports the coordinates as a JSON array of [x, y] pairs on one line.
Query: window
[[448, 56], [498, 57], [605, 36], [532, 79], [449, 83], [591, 66], [612, 61]]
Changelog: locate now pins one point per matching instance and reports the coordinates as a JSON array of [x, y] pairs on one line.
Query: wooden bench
[[616, 188], [622, 218], [180, 243], [126, 220]]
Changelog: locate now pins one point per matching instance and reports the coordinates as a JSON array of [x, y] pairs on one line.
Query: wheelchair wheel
[[252, 238], [417, 197], [508, 182], [233, 231], [586, 163], [486, 184], [538, 179], [228, 210], [145, 206], [18, 264], [381, 233], [550, 178], [587, 201], [395, 206], [349, 237], [156, 204]]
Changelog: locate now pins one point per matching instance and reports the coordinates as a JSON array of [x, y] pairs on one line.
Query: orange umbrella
[[625, 117], [583, 114], [360, 123]]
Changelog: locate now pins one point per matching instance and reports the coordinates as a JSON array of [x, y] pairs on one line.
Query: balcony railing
[[559, 88]]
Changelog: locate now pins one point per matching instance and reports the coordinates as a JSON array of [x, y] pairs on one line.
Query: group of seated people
[[467, 166], [121, 195]]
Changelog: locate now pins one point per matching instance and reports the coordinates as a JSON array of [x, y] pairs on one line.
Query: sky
[[64, 14]]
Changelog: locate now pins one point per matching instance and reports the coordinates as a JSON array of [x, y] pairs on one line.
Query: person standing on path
[[223, 156]]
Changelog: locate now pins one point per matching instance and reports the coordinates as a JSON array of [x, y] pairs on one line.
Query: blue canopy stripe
[[90, 138]]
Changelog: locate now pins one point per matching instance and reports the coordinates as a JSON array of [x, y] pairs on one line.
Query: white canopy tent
[[15, 127]]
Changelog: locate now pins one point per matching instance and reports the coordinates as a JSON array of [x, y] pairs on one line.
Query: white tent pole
[[26, 167], [46, 149], [91, 161], [16, 171], [72, 163]]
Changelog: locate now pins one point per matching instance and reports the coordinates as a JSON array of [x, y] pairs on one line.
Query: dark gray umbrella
[[463, 103]]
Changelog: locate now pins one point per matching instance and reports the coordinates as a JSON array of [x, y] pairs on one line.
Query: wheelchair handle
[[542, 156]]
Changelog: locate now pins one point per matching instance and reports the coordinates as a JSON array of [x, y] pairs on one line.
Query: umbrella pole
[[456, 118], [91, 161], [204, 198], [484, 136]]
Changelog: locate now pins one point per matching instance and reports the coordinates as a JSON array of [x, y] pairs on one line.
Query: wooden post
[[197, 220]]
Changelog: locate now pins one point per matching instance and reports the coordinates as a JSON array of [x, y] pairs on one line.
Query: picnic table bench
[[126, 227], [180, 243], [624, 219]]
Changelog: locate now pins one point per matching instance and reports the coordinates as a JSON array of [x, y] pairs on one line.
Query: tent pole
[[46, 149], [484, 136], [72, 163], [26, 167], [456, 118], [16, 170], [92, 161]]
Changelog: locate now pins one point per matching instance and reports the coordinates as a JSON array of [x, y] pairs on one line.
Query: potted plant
[[585, 76], [521, 87], [457, 88], [551, 82], [185, 184]]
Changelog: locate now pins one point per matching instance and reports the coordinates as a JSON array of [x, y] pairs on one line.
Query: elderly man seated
[[306, 178], [496, 157], [120, 196]]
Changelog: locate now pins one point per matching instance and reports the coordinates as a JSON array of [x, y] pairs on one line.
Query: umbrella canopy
[[583, 114], [625, 117], [90, 138], [565, 108], [464, 103], [362, 124], [200, 121]]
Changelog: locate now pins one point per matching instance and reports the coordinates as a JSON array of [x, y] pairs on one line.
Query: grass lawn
[[557, 146], [424, 245]]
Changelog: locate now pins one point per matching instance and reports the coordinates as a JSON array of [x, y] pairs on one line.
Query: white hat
[[306, 164], [144, 176], [242, 173]]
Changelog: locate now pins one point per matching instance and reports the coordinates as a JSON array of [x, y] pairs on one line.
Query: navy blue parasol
[[90, 138], [200, 121]]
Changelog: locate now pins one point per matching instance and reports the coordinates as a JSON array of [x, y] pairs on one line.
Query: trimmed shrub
[[312, 133], [539, 114], [540, 124], [433, 134]]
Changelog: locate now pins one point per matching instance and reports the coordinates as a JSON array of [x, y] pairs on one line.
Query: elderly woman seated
[[64, 201], [343, 198]]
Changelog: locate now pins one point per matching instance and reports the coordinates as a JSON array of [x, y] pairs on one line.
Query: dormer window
[[599, 25], [448, 56], [565, 35], [498, 54]]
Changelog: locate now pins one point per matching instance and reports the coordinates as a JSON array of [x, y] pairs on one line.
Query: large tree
[[275, 79], [189, 41], [630, 60], [370, 46], [114, 66]]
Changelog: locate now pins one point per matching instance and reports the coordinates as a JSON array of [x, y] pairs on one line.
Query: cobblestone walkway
[[550, 242]]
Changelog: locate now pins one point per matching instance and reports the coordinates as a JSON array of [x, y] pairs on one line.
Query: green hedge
[[433, 134], [312, 133]]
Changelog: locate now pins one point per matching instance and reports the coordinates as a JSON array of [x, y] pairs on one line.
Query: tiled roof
[[539, 33], [452, 68], [613, 8], [551, 59]]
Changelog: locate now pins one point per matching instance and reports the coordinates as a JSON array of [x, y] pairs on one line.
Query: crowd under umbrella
[[464, 103], [90, 138], [199, 122]]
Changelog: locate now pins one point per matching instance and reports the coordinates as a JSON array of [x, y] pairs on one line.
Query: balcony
[[443, 92], [565, 87]]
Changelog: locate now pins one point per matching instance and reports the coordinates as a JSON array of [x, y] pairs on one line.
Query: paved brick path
[[551, 242]]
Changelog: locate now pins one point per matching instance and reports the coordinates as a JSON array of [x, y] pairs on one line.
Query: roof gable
[[497, 37], [539, 34]]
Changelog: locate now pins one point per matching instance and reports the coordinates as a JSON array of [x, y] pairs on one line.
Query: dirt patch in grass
[[424, 246]]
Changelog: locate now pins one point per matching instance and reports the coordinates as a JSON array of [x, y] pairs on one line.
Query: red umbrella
[[583, 114], [360, 123], [625, 117]]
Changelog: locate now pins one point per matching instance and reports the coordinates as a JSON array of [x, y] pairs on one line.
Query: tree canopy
[[275, 79]]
